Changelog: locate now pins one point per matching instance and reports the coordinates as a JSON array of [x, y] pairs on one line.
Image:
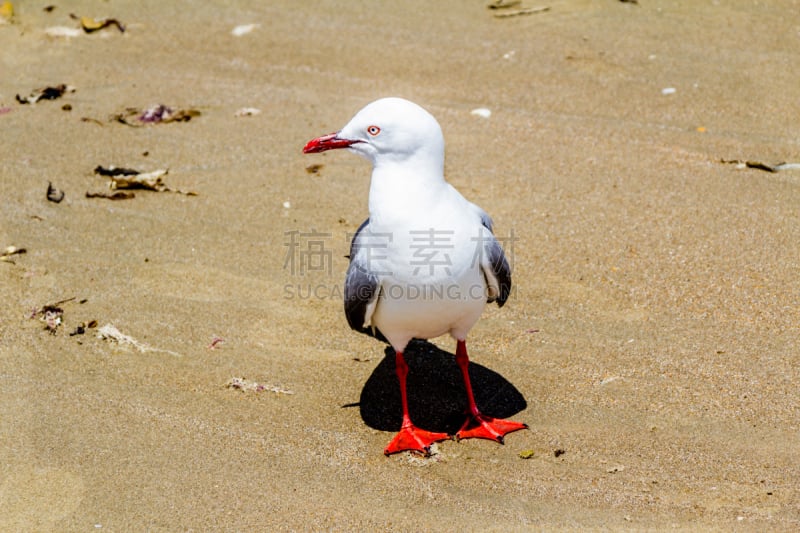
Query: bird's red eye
[[373, 130]]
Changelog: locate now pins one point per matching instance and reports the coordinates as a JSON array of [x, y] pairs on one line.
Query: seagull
[[425, 263]]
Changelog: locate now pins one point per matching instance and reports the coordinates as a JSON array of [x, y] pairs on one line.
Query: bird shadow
[[437, 399]]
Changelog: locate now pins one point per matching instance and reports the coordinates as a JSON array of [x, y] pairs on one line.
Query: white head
[[389, 131]]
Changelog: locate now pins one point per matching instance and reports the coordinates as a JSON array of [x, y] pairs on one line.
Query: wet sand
[[652, 338]]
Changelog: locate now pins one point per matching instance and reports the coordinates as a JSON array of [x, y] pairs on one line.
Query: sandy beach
[[652, 342]]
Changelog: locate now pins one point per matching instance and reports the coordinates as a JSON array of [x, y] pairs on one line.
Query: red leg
[[479, 425], [410, 437]]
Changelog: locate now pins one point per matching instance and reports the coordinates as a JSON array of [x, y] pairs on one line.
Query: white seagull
[[425, 262]]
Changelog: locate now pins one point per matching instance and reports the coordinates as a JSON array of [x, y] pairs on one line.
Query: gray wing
[[361, 288], [486, 220], [494, 264]]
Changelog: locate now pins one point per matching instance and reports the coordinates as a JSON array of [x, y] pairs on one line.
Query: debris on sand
[[128, 178], [501, 5], [82, 327], [155, 114], [62, 31], [54, 194], [243, 29], [504, 4], [90, 25], [6, 13], [46, 93], [314, 169], [243, 384], [51, 315], [434, 456], [247, 112], [115, 171], [215, 342], [10, 251], [162, 113], [151, 181], [110, 333], [41, 310], [758, 165], [116, 195]]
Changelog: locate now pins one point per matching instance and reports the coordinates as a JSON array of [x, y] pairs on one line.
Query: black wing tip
[[375, 333], [500, 300]]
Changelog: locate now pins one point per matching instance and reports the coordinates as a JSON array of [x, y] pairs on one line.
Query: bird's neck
[[400, 190]]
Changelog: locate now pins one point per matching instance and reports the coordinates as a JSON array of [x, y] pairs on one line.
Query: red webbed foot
[[480, 426], [414, 439]]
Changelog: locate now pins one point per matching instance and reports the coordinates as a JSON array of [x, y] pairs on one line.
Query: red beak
[[326, 142]]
